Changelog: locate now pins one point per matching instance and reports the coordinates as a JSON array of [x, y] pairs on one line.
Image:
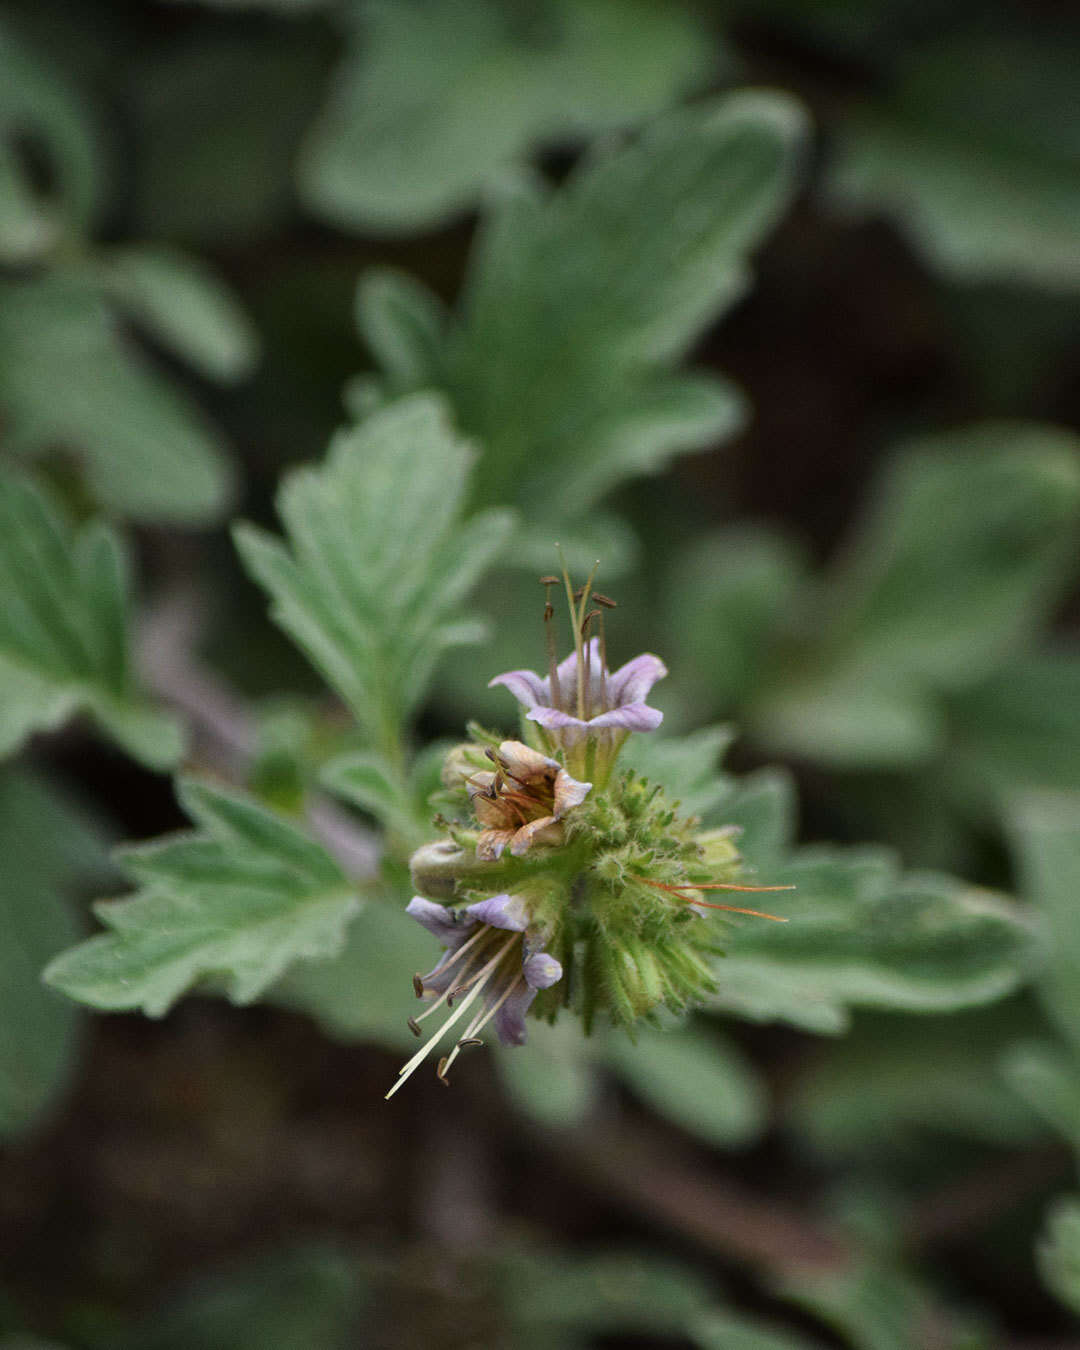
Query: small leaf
[[694, 1078], [1047, 1077], [716, 1330], [70, 382], [63, 631], [436, 98], [368, 781], [239, 900], [1058, 1254], [180, 302], [380, 560]]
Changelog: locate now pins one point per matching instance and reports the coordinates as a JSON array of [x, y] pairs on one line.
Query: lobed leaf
[[1058, 1254], [378, 560], [64, 630], [237, 901], [69, 381], [436, 97], [580, 300]]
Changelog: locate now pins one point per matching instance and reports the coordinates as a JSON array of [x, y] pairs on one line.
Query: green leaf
[[726, 593], [717, 1330], [218, 117], [364, 993], [237, 901], [694, 1078], [686, 766], [368, 781], [1045, 831], [1058, 1254], [892, 1078], [70, 381], [1047, 1077], [48, 847], [38, 106], [968, 545], [310, 1295], [1017, 732], [63, 630], [179, 301], [551, 1078], [580, 300], [977, 157], [436, 97], [861, 935], [380, 561]]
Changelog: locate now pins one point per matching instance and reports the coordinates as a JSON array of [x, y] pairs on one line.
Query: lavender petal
[[630, 717], [510, 1019], [541, 971], [501, 911], [631, 683], [440, 922], [525, 685]]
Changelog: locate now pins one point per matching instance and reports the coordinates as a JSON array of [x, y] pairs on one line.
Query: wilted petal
[[501, 911], [438, 920], [631, 683], [568, 793], [632, 717], [525, 685], [523, 763], [546, 830], [510, 1019], [541, 971], [491, 843]]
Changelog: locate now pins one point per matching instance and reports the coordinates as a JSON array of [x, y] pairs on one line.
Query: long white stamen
[[482, 1018], [450, 989], [452, 958], [413, 1064]]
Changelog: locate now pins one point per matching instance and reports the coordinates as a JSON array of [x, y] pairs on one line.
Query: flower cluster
[[553, 890]]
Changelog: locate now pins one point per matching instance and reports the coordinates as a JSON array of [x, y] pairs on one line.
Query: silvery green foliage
[[561, 358], [64, 630], [235, 902], [71, 378], [437, 97], [49, 848], [975, 152], [379, 561], [914, 644]]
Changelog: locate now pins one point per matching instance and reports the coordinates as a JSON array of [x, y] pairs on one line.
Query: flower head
[[494, 964]]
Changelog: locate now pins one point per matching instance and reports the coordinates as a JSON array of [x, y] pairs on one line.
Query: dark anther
[[440, 1072], [418, 986], [469, 1040], [604, 600], [414, 1026], [592, 614], [549, 581]]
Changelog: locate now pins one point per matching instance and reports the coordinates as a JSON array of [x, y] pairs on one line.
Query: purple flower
[[493, 966], [582, 701]]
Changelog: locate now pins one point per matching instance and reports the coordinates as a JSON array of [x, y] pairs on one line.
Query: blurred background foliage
[[812, 397]]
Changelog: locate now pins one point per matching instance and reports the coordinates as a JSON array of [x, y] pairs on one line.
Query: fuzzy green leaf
[[967, 546], [70, 381], [436, 97], [686, 766], [717, 1330], [63, 630], [1047, 1077], [859, 934], [379, 561], [581, 299], [237, 901], [186, 307], [977, 157], [48, 848]]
